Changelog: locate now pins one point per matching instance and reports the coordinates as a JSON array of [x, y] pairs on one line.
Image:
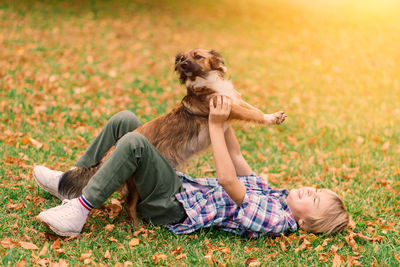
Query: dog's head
[[198, 63]]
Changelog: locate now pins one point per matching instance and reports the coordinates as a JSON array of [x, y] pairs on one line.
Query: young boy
[[236, 201]]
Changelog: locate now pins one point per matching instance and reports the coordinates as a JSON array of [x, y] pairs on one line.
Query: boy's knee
[[134, 140], [125, 117]]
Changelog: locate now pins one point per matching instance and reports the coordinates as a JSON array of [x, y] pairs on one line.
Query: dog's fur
[[181, 133]]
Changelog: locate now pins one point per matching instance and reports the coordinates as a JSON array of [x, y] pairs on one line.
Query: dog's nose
[[184, 64]]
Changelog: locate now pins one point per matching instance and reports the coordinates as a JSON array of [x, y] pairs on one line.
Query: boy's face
[[308, 201]]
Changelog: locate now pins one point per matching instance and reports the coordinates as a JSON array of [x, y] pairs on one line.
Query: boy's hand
[[219, 111]]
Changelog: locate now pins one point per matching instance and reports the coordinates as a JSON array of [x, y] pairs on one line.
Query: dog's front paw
[[275, 118]]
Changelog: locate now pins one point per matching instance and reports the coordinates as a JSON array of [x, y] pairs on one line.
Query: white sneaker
[[48, 179], [67, 219]]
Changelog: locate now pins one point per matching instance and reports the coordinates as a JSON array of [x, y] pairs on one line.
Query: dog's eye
[[198, 57]]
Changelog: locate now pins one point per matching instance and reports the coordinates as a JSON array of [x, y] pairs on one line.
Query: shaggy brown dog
[[181, 133]]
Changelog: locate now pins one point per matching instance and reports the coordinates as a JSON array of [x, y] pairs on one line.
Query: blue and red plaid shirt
[[263, 210]]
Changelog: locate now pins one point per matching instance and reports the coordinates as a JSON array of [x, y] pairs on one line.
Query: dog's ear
[[217, 62], [177, 59]]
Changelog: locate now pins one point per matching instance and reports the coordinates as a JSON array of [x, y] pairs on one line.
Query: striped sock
[[85, 203]]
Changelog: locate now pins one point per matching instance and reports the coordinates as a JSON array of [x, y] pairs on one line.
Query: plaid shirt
[[263, 210]]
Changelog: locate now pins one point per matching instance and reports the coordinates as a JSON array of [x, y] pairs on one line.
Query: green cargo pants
[[155, 179]]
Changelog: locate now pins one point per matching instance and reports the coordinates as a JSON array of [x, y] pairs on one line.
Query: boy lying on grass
[[236, 201]]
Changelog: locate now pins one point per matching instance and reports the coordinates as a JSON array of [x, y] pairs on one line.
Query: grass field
[[332, 66]]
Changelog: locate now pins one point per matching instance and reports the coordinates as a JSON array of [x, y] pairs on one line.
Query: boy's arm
[[226, 173], [241, 166]]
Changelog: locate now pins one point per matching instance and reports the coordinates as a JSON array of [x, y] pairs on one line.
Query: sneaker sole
[[47, 189], [55, 230]]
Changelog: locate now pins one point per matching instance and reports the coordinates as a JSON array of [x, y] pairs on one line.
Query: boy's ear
[[302, 224]]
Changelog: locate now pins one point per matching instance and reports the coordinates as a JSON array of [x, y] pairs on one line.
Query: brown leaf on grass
[[112, 239], [272, 255], [353, 260], [143, 231], [28, 140], [43, 262], [397, 257], [283, 246], [60, 263], [86, 256], [181, 256], [319, 248], [43, 251], [14, 206], [211, 259], [337, 261], [177, 250], [387, 227], [107, 254], [56, 244], [134, 242], [157, 257], [323, 257], [303, 245], [252, 261], [248, 250], [8, 243], [224, 250], [325, 242], [352, 243], [29, 245], [21, 263], [128, 263], [109, 227]]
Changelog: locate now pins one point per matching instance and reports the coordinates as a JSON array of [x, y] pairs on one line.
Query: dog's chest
[[197, 143]]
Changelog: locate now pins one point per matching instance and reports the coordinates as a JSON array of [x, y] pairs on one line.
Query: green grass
[[66, 67]]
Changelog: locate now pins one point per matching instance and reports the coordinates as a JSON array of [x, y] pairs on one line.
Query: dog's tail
[[73, 181]]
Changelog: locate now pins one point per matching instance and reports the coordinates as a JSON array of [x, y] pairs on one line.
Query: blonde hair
[[332, 220]]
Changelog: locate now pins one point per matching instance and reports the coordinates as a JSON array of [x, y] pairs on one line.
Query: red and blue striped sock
[[85, 203]]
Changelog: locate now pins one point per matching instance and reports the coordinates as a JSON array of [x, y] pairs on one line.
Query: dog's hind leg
[[131, 199]]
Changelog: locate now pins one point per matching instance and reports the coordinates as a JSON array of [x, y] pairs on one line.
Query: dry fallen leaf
[[8, 243], [283, 246], [28, 245], [134, 242], [60, 263], [252, 261], [109, 227], [337, 261], [326, 242], [176, 250], [112, 239], [86, 256], [43, 251], [225, 250], [107, 254], [211, 259], [21, 263], [157, 257], [28, 140], [181, 256], [56, 244]]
